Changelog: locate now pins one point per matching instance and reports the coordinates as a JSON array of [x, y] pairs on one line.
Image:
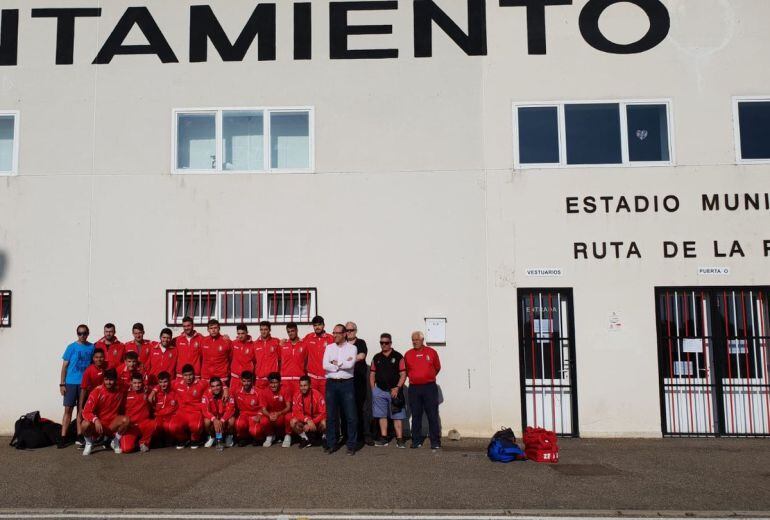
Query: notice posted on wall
[[615, 323], [683, 368], [692, 346]]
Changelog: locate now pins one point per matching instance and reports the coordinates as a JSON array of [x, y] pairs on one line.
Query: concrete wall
[[414, 208]]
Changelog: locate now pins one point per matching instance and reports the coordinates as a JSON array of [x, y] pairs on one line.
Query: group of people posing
[[194, 390]]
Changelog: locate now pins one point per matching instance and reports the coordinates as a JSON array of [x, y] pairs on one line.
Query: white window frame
[[737, 128], [562, 124], [267, 154], [15, 159]]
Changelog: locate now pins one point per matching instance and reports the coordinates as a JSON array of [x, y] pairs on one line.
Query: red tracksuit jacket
[[92, 377], [159, 361], [104, 404], [316, 346], [248, 403], [275, 402], [293, 359], [309, 407], [113, 354], [166, 404], [215, 357], [217, 407], [137, 406], [266, 355], [190, 397], [243, 357], [143, 351], [188, 352]]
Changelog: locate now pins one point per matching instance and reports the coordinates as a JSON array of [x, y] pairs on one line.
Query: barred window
[[5, 308], [752, 128], [236, 306], [9, 143]]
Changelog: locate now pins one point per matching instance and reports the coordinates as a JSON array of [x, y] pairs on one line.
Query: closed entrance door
[[547, 360], [713, 360]]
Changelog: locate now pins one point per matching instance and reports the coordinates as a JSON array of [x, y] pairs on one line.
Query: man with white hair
[[422, 367]]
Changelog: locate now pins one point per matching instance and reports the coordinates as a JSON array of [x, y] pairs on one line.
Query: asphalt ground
[[669, 477]]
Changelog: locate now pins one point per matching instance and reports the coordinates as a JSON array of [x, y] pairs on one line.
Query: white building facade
[[574, 193]]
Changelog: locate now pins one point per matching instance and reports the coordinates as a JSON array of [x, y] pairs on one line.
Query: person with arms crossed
[[141, 426], [103, 414], [315, 344], [112, 347], [75, 361], [422, 366], [387, 378], [276, 405], [218, 415], [308, 414], [293, 359], [188, 345], [243, 357], [338, 362]]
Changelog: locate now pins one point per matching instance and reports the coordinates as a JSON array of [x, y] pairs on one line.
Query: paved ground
[[673, 476]]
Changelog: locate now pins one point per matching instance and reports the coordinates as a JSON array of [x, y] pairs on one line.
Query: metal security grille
[[713, 359], [5, 308], [547, 360], [241, 306]]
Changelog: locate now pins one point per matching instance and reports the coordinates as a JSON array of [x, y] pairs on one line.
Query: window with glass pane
[[754, 121], [538, 135], [196, 142], [290, 140], [6, 143], [593, 133], [647, 133], [244, 143]]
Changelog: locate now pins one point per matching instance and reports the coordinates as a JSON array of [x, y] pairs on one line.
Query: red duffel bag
[[541, 445]]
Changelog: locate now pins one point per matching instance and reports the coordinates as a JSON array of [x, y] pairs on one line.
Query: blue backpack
[[503, 447]]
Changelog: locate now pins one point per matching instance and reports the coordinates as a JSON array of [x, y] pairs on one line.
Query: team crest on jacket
[[253, 402], [220, 348], [115, 352], [427, 357], [247, 351]]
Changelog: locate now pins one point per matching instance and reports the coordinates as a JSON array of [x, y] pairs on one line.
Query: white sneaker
[[115, 444], [210, 442], [118, 450], [229, 441], [87, 449], [268, 441], [144, 448], [286, 441]]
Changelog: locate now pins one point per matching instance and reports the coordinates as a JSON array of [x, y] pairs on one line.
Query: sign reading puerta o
[[260, 25]]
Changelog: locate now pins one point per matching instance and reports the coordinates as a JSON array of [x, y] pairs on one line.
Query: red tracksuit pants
[[171, 428], [192, 425], [247, 426], [277, 429], [137, 433]]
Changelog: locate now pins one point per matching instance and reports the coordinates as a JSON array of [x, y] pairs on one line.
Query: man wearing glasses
[[75, 361], [387, 379], [338, 362], [360, 382]]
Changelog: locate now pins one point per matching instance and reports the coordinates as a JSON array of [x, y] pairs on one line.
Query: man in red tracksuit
[[139, 345], [94, 374], [141, 425], [293, 359], [190, 394], [165, 407], [103, 413], [162, 358], [308, 414], [127, 368], [216, 353], [315, 344], [243, 357], [249, 408], [276, 405], [266, 354], [188, 346], [218, 415], [113, 348]]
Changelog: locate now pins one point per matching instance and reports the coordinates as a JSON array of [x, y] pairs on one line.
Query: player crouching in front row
[[101, 414], [141, 426], [218, 415], [308, 414]]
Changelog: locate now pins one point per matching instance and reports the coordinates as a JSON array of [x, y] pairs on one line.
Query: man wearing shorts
[[387, 378], [75, 361]]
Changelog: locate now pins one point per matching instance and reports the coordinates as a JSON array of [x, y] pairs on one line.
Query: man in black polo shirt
[[387, 378]]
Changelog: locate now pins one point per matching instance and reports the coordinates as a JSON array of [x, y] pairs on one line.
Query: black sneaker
[[351, 451], [303, 443], [400, 444], [242, 443], [416, 445], [327, 450], [62, 443], [382, 441], [369, 441], [435, 448]]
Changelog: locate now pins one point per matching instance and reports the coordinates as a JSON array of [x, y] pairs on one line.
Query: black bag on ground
[[31, 432]]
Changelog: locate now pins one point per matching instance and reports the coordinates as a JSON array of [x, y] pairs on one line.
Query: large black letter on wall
[[9, 36], [204, 26], [474, 43], [536, 42], [339, 30], [65, 28], [660, 24], [156, 42], [303, 31]]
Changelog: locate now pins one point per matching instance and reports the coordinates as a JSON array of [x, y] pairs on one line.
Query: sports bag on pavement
[[503, 447], [31, 431]]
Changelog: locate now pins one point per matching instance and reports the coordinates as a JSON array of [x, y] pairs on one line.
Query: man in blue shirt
[[75, 360]]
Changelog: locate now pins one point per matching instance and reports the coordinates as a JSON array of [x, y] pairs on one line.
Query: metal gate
[[713, 359], [547, 360]]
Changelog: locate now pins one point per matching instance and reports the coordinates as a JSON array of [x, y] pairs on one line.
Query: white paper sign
[[692, 346], [615, 323], [713, 271], [682, 368]]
